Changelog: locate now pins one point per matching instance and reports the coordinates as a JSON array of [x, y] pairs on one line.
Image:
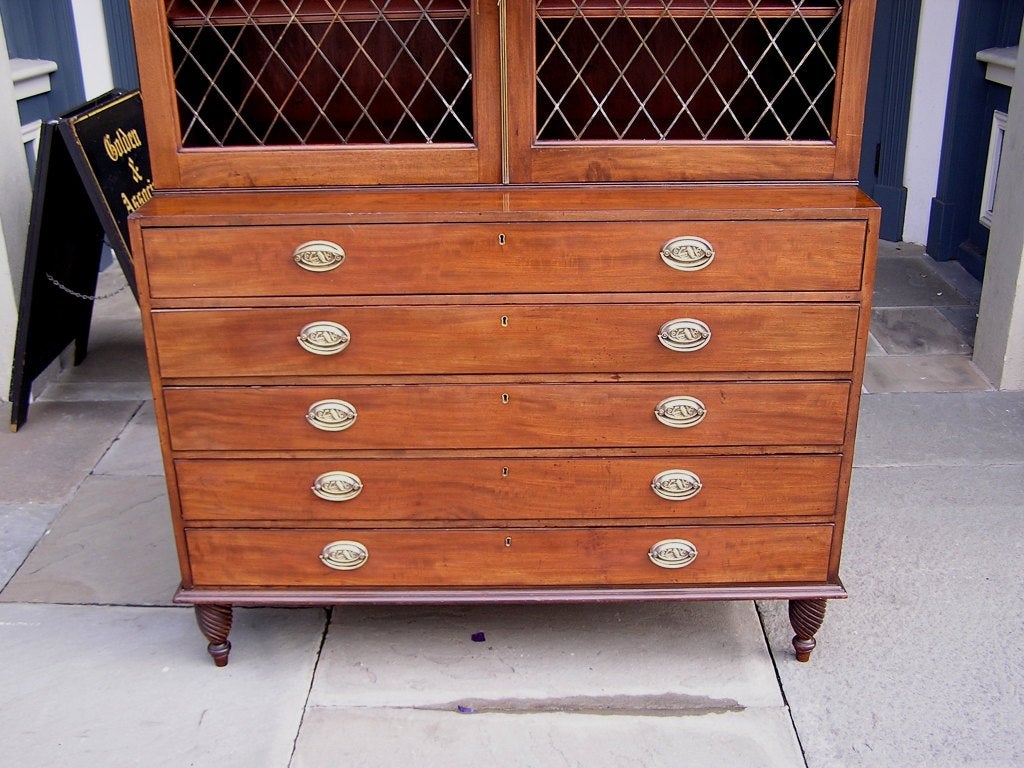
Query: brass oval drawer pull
[[319, 256], [684, 335], [337, 486], [680, 412], [344, 555], [676, 484], [687, 253], [673, 553], [324, 337], [331, 415]]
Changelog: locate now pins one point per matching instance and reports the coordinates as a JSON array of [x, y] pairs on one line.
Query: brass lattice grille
[[686, 69], [295, 72]]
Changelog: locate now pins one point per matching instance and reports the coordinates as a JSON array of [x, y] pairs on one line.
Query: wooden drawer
[[506, 489], [505, 258], [478, 416], [507, 339], [509, 557]]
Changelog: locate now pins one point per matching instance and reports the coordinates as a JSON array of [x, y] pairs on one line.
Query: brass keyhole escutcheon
[[504, 398], [504, 471], [504, 321], [501, 239], [508, 541]]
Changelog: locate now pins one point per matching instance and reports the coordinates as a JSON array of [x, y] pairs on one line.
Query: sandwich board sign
[[92, 172]]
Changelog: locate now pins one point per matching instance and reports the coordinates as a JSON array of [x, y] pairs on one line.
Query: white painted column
[[999, 344], [927, 113], [93, 51], [15, 202]]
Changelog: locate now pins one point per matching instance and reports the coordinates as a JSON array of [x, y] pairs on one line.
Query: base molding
[[292, 597]]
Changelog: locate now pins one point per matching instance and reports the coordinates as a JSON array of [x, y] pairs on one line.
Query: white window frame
[[995, 154]]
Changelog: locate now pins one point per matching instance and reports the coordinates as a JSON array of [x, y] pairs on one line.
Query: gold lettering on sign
[[122, 143], [135, 202]]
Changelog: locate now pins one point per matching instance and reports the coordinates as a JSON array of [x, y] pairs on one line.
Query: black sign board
[[92, 171]]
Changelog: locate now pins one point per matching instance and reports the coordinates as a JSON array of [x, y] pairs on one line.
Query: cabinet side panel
[[142, 280], [156, 82], [853, 83]]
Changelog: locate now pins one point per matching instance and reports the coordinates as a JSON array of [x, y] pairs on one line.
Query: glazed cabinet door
[[320, 92], [680, 90]]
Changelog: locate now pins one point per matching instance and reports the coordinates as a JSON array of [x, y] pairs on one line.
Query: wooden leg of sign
[[81, 345], [20, 394]]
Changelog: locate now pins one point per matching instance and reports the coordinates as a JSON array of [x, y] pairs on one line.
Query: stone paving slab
[[913, 282], [917, 331], [96, 391], [695, 656], [375, 738], [116, 353], [21, 527], [921, 666], [112, 544], [48, 458], [115, 366], [126, 687], [966, 284], [136, 451], [923, 373], [964, 319], [941, 429]]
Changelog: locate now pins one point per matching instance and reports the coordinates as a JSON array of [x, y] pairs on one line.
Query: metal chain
[[83, 296]]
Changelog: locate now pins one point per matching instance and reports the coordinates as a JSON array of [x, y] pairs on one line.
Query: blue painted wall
[[954, 231], [887, 111], [36, 30]]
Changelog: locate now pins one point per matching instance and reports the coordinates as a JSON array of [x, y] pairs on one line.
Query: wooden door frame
[[589, 161], [176, 167]]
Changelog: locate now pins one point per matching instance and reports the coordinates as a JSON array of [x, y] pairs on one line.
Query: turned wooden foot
[[215, 624], [806, 617]]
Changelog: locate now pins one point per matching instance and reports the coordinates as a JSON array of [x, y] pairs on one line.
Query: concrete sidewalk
[[920, 667]]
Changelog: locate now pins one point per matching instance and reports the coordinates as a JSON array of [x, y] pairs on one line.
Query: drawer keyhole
[[508, 541], [504, 321], [504, 398], [501, 239], [504, 471]]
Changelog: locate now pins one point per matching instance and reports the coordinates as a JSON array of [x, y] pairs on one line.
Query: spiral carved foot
[[806, 617], [215, 624]]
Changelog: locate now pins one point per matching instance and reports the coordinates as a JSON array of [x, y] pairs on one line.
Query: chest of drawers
[[507, 394]]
